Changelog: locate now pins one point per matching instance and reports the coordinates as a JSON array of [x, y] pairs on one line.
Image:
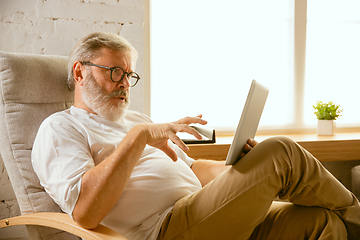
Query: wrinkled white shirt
[[73, 141]]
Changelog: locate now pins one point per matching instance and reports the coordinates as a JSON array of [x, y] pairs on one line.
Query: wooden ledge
[[340, 147]]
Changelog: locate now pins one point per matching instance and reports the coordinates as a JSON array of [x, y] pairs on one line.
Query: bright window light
[[333, 58], [206, 53]]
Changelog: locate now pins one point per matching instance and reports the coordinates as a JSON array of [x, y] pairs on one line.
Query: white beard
[[98, 101]]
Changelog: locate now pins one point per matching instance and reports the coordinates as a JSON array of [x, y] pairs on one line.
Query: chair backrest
[[31, 88]]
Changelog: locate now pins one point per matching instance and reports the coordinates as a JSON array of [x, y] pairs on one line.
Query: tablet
[[249, 121]]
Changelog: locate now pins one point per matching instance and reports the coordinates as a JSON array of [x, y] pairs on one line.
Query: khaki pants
[[238, 204]]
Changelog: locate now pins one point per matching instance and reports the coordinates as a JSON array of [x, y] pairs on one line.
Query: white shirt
[[73, 141]]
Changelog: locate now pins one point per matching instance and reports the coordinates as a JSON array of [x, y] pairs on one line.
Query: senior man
[[103, 163]]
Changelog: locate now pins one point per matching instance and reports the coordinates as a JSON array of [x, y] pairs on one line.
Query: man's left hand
[[251, 143]]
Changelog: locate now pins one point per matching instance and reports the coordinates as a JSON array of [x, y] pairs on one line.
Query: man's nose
[[124, 82]]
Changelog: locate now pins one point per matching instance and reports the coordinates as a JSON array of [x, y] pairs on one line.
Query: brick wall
[[52, 27]]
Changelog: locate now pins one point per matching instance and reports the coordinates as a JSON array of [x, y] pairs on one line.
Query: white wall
[[52, 27]]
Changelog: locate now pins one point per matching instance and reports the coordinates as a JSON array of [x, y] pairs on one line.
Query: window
[[205, 54], [333, 57]]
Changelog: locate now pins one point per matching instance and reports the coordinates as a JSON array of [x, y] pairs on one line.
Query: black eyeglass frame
[[111, 71]]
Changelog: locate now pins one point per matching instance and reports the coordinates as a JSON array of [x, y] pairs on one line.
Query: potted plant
[[326, 113]]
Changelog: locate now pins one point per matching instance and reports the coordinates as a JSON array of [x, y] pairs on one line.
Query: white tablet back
[[249, 121]]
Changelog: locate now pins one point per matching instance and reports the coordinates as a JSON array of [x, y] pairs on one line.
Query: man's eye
[[117, 72]]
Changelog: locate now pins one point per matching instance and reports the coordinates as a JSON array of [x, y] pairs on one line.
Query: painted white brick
[[133, 32], [69, 29], [53, 46], [9, 208], [106, 27], [44, 28], [139, 46], [6, 192], [95, 12], [138, 3], [12, 39], [124, 2], [107, 2], [13, 6]]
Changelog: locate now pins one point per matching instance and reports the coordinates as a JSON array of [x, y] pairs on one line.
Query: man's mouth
[[122, 98], [119, 95]]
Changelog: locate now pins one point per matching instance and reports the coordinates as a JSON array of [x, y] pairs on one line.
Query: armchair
[[31, 88]]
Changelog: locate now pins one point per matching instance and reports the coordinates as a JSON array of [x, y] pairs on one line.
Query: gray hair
[[89, 48]]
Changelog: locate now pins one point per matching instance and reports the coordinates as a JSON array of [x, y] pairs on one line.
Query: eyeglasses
[[117, 74]]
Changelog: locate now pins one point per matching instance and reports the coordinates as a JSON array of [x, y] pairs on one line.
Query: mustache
[[119, 92]]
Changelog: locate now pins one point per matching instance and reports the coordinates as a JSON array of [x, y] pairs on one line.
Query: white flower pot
[[326, 127]]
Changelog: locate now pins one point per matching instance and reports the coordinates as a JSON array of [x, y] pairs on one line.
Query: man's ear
[[78, 73]]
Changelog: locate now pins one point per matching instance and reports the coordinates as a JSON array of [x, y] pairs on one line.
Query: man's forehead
[[107, 53], [113, 57], [110, 52]]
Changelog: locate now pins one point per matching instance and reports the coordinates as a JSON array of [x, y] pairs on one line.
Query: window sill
[[340, 147]]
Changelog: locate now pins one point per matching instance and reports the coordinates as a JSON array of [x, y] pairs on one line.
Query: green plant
[[327, 111]]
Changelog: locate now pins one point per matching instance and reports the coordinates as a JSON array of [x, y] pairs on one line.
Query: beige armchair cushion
[[31, 88]]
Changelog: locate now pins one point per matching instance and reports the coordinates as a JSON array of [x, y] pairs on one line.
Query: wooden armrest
[[63, 222]]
